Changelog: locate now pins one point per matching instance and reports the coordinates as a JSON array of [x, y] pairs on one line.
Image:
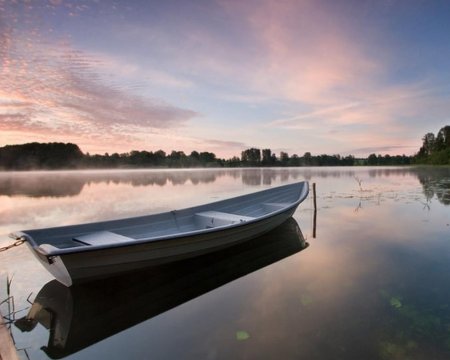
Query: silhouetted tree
[[442, 140], [267, 158], [284, 158], [428, 144], [372, 159], [294, 160], [307, 159], [251, 157]]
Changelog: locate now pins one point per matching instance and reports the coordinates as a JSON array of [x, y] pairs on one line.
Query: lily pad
[[390, 350], [396, 302], [306, 300], [242, 335]]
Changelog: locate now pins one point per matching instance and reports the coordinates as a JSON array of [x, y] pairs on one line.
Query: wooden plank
[[211, 219], [225, 216], [102, 238]]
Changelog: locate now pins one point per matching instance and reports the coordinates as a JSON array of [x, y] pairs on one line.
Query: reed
[[8, 343]]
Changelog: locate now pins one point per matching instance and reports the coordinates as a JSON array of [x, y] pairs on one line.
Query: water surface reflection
[[372, 285], [72, 183]]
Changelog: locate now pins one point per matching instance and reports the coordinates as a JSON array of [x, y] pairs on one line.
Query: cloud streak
[[300, 60], [53, 86]]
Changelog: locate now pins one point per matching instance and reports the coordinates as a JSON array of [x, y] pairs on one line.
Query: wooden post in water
[[314, 196], [315, 210]]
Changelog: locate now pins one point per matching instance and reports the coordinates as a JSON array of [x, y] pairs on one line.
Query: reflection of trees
[[268, 176], [34, 185], [70, 183], [252, 176], [435, 181], [59, 184], [386, 172]]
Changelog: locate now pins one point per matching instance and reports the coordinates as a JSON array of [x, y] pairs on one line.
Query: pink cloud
[[58, 89], [304, 54]]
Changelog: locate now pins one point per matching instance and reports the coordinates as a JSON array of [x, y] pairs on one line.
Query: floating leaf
[[242, 335], [306, 300], [395, 302], [390, 350]]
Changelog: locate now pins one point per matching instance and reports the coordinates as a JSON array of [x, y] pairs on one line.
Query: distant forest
[[434, 151]]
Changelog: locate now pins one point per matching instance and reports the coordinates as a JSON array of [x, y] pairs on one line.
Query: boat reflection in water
[[84, 314]]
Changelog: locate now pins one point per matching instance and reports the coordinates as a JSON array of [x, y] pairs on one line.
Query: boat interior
[[221, 214]]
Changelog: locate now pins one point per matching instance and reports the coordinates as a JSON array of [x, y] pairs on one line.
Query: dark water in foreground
[[372, 284]]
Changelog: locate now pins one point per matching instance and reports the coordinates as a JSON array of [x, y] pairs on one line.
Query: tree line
[[40, 156], [435, 150], [69, 156]]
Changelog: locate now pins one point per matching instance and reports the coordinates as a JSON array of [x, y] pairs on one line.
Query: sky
[[327, 77]]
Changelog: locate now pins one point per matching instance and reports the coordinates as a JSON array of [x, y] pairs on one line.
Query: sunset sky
[[335, 77]]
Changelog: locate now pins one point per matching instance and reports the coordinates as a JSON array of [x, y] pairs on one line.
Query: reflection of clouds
[[327, 301], [304, 302]]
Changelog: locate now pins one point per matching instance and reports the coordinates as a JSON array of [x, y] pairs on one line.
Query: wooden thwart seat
[[210, 219], [102, 238]]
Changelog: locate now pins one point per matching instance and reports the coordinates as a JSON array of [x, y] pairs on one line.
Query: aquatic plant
[[242, 335], [402, 350], [306, 299], [412, 327], [396, 302], [359, 181]]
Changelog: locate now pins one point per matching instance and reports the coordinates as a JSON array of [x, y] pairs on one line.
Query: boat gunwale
[[73, 250]]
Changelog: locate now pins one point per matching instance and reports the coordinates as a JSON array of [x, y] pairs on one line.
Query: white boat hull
[[98, 252], [108, 262]]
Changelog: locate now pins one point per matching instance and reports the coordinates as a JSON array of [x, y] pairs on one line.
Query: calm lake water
[[372, 284]]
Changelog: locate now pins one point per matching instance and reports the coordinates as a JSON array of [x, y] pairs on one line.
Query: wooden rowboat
[[84, 252], [81, 315]]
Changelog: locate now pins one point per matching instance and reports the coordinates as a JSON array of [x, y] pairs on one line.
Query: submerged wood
[[84, 314], [85, 252]]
